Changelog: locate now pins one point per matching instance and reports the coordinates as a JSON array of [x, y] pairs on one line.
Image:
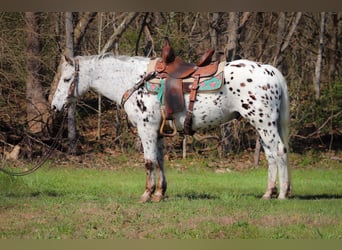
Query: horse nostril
[[53, 108]]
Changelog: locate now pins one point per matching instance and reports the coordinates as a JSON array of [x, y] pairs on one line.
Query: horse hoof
[[266, 197], [157, 198], [282, 196], [145, 198]]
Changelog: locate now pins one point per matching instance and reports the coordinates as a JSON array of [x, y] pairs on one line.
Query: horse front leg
[[150, 182], [161, 179], [154, 163]]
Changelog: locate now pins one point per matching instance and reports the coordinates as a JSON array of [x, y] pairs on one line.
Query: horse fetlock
[[285, 191], [271, 192]]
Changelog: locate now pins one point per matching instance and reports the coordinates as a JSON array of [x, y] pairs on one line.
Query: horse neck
[[111, 77]]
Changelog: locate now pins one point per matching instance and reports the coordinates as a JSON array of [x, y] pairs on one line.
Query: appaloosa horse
[[255, 91]]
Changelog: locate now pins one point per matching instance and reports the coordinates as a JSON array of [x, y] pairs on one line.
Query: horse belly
[[210, 111]]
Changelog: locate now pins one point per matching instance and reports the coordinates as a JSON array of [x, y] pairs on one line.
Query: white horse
[[255, 91]]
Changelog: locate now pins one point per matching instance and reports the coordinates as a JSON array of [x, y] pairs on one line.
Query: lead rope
[[46, 155]]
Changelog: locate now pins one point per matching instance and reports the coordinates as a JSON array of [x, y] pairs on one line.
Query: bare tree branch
[[119, 31]]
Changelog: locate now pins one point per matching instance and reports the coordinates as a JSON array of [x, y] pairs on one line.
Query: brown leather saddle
[[174, 70]]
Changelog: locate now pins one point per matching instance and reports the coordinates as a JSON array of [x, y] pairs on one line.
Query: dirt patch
[[284, 220]]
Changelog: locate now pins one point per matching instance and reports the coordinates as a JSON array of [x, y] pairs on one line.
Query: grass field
[[73, 202]]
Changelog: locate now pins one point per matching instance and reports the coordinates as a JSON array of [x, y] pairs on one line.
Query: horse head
[[67, 83]]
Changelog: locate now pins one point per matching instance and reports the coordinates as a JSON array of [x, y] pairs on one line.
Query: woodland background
[[306, 47]]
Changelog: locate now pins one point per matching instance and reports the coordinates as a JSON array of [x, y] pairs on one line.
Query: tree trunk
[[37, 105], [282, 40], [333, 53], [99, 100], [233, 26], [213, 31], [278, 57], [318, 67], [69, 51], [230, 52]]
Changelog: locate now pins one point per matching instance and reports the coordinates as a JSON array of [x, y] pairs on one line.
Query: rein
[[44, 158], [71, 94]]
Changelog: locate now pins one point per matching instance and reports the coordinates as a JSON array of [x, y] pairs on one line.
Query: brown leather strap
[[192, 99], [130, 91]]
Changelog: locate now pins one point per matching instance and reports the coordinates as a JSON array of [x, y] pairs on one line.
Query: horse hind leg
[[284, 178], [276, 155], [271, 190]]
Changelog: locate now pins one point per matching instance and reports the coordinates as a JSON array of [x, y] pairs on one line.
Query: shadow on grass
[[197, 196], [206, 196], [317, 197], [49, 193]]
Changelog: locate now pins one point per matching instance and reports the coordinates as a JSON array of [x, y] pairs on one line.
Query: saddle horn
[[168, 54]]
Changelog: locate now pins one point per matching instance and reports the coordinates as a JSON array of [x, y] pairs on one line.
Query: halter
[[71, 92]]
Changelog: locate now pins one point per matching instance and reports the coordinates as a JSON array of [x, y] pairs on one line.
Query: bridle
[[72, 88]]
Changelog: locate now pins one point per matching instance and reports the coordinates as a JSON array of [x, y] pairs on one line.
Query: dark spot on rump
[[249, 80], [245, 105], [253, 97], [265, 87], [242, 84]]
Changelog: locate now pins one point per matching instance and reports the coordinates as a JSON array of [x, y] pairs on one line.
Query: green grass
[[70, 203]]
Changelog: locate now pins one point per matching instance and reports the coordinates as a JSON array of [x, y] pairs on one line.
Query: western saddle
[[174, 70]]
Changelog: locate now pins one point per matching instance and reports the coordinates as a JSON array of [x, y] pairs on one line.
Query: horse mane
[[101, 57]]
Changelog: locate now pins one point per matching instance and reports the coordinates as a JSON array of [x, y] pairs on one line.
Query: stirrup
[[161, 130]]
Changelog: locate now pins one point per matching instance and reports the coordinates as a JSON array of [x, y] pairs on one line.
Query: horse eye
[[67, 79]]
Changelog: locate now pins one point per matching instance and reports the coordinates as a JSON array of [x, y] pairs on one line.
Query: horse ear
[[69, 60]]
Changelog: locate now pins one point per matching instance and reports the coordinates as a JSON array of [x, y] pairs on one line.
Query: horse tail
[[284, 119]]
